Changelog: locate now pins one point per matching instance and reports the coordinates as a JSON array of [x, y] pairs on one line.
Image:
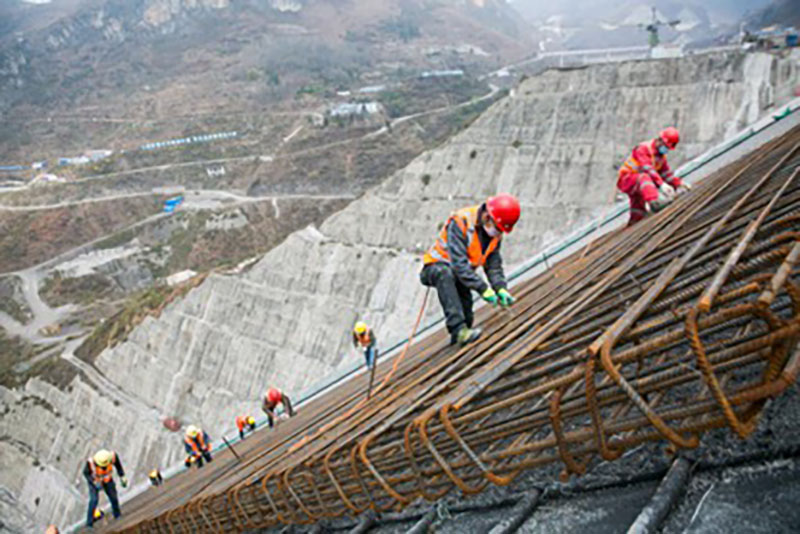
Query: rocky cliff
[[554, 142]]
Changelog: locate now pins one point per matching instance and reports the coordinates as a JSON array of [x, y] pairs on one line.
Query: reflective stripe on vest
[[197, 444], [364, 339], [102, 475], [467, 221], [632, 164]]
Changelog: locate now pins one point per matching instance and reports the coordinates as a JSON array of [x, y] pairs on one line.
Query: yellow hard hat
[[360, 327], [192, 431], [251, 420], [98, 513], [103, 457], [154, 473]]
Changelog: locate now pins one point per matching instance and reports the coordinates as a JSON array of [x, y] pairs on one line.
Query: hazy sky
[[721, 11]]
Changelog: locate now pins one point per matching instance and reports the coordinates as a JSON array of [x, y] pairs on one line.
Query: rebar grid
[[687, 321]]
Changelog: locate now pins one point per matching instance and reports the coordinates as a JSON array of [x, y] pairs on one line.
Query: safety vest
[[633, 165], [197, 444], [364, 339], [467, 221], [241, 422], [102, 475]]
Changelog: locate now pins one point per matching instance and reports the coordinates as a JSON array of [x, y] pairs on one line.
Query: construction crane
[[652, 27]]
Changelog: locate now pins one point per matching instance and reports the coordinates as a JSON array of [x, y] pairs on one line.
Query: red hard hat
[[504, 211], [274, 396], [670, 136]]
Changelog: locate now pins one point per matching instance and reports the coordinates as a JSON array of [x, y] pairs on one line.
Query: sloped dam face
[[554, 142]]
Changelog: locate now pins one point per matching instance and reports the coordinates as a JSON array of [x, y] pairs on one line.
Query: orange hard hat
[[52, 529], [273, 395], [504, 210], [670, 136]]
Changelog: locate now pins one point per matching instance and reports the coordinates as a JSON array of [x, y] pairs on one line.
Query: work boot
[[466, 335]]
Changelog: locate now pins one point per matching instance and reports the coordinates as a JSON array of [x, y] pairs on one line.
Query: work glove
[[124, 482], [505, 298], [684, 188], [490, 296], [667, 190]]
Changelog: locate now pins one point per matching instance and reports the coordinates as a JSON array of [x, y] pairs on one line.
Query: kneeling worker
[[470, 239], [245, 421], [197, 445], [273, 397], [155, 477], [99, 473]]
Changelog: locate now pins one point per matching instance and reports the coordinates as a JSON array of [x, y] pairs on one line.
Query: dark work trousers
[[111, 490], [455, 297], [203, 455]]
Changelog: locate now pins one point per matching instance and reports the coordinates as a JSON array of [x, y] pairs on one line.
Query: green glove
[[506, 299], [490, 296], [124, 482]]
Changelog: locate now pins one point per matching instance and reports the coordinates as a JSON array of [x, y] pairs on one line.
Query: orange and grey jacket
[[196, 446], [365, 340], [96, 475], [465, 246]]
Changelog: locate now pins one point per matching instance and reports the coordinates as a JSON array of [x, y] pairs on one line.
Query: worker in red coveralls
[[646, 177]]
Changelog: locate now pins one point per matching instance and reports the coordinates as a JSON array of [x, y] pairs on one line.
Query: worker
[[98, 472], [197, 445], [646, 177], [245, 421], [364, 338], [470, 239], [273, 397], [155, 478]]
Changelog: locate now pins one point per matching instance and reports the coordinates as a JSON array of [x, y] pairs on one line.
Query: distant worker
[[197, 445], [98, 472], [470, 239], [364, 338], [155, 478], [646, 173], [245, 421], [273, 397]]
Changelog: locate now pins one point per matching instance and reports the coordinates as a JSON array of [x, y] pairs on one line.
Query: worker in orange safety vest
[[364, 338], [245, 422], [197, 445], [99, 473], [273, 397], [470, 239], [647, 178]]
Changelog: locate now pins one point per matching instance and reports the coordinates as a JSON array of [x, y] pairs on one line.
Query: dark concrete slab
[[607, 511], [759, 499]]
